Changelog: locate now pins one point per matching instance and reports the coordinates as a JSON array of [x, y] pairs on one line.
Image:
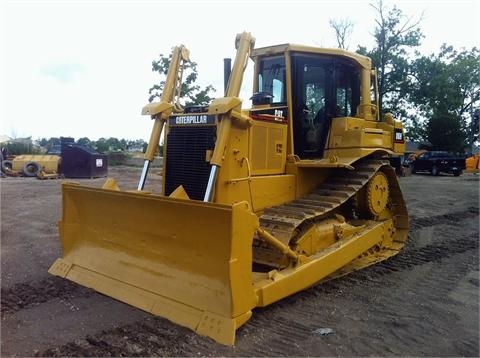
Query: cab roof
[[364, 61]]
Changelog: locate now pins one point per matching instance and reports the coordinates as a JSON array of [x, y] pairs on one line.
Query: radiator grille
[[186, 165]]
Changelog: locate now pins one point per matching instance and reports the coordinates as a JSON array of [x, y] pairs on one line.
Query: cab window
[[272, 78]]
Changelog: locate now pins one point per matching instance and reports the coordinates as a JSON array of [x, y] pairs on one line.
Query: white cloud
[[65, 72]]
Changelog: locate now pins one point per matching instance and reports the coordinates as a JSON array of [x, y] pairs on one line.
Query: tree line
[[102, 145], [436, 95]]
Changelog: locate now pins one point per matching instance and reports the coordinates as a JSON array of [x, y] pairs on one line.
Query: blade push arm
[[160, 111], [244, 44]]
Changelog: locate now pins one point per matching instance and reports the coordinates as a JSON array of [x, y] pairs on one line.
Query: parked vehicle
[[437, 162]]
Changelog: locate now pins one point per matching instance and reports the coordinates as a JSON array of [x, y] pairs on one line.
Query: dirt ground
[[423, 302]]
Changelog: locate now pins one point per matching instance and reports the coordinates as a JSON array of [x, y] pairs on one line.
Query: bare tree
[[343, 29]]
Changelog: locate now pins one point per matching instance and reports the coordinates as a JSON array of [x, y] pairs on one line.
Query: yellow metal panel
[[376, 139], [399, 148], [267, 148], [307, 178], [223, 105], [156, 107], [357, 152], [258, 148], [348, 132], [272, 190], [276, 156], [385, 126], [332, 162], [232, 183]]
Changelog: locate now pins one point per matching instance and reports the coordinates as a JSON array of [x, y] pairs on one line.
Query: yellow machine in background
[[473, 164], [31, 164], [257, 203]]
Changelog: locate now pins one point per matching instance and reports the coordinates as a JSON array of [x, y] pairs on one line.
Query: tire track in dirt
[[429, 286], [449, 218], [431, 253], [26, 295], [274, 325], [154, 338]]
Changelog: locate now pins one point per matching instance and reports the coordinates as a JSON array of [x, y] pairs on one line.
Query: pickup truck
[[437, 162]]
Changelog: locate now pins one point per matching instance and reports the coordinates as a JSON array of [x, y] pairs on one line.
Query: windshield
[[272, 78]]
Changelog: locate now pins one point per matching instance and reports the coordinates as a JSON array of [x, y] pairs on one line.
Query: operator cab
[[324, 86]]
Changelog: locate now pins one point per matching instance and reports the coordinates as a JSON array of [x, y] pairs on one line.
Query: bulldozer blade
[[185, 260]]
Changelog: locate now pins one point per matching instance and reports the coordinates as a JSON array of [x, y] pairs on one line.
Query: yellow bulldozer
[[256, 204]]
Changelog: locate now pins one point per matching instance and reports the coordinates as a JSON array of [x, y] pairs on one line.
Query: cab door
[[312, 101], [323, 88]]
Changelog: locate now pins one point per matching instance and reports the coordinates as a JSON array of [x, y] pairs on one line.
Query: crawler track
[[286, 222]]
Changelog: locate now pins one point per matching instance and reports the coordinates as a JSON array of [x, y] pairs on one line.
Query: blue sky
[[83, 68]]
